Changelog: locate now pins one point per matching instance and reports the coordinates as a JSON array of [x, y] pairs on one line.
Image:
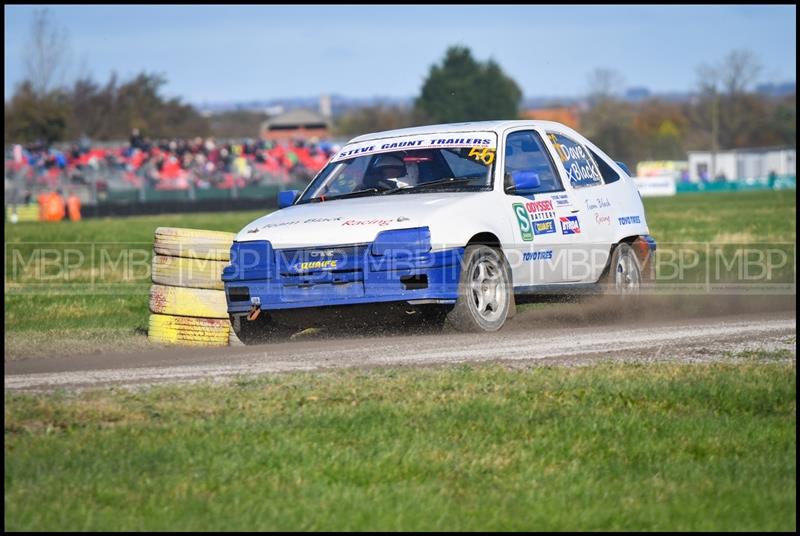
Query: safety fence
[[104, 191], [660, 186], [780, 182], [97, 184]]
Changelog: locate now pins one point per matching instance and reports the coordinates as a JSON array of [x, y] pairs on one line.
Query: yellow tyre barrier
[[25, 213], [167, 329], [193, 243], [182, 301], [187, 298], [183, 272]]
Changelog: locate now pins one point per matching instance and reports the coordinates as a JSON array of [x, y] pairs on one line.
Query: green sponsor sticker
[[524, 222]]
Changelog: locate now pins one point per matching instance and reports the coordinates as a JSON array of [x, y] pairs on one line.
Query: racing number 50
[[484, 154]]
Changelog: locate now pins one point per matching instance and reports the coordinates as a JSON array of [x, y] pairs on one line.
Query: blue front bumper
[[397, 266]]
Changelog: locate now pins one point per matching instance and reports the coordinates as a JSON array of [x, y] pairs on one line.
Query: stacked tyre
[[187, 299], [22, 213]]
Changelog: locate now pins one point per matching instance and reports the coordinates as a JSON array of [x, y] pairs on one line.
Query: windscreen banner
[[485, 142]]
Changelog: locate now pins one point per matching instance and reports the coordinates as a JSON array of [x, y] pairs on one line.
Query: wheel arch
[[490, 239], [629, 240], [485, 238]]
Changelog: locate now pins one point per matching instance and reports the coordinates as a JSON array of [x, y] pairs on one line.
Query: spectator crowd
[[175, 164]]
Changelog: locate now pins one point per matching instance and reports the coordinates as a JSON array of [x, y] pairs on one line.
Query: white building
[[742, 164]]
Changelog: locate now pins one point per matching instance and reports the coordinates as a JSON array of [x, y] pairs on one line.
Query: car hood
[[349, 221]]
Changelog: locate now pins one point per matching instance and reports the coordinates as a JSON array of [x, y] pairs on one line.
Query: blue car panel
[[397, 266]]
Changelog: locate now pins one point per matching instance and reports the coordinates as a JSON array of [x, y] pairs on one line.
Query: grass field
[[738, 217], [665, 447], [605, 447], [66, 312]]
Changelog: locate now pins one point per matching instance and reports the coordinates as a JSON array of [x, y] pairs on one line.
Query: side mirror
[[624, 168], [287, 198], [523, 180]]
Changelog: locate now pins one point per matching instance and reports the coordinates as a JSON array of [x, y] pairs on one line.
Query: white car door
[[539, 253], [590, 225]]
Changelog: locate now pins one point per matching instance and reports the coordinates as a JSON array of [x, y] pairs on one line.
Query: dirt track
[[572, 333]]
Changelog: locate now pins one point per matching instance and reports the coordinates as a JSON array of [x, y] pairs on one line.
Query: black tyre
[[426, 318], [624, 277], [259, 331], [485, 295]]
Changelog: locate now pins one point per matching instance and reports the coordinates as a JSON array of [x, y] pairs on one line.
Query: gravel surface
[[523, 343]]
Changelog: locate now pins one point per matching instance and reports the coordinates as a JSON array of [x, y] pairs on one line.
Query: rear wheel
[[485, 295], [624, 275]]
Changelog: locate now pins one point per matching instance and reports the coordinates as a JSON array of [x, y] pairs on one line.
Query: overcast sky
[[234, 53]]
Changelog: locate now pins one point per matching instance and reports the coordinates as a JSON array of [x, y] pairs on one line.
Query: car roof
[[472, 126]]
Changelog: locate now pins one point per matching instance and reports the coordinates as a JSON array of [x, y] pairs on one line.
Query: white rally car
[[464, 217]]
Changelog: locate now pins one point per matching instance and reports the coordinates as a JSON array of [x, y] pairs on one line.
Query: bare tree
[[47, 53], [708, 78], [708, 81], [739, 71], [733, 75], [609, 120], [604, 83], [724, 101]]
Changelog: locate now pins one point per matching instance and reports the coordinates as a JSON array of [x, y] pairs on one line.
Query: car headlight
[[249, 260], [402, 243]]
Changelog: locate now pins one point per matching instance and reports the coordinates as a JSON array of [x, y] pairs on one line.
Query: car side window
[[345, 177], [606, 171], [578, 162], [525, 151]]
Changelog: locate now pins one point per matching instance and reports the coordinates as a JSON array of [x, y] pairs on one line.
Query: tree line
[[44, 110], [723, 113], [100, 112]]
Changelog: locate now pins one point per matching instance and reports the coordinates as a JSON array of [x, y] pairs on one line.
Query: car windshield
[[419, 170]]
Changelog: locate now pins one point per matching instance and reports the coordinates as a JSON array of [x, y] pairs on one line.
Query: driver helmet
[[391, 167]]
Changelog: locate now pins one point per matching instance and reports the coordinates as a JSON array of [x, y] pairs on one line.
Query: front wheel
[[259, 331], [485, 295]]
